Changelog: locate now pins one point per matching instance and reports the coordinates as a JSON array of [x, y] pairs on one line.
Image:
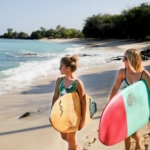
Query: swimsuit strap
[[141, 74], [125, 77], [125, 72], [61, 81]]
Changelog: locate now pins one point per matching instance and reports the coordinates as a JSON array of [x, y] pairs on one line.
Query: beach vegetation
[[15, 35], [22, 35], [147, 38], [132, 23], [43, 32], [58, 32], [36, 34]]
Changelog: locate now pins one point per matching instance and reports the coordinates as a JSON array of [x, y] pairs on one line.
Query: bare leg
[[127, 143], [71, 141], [64, 136], [136, 137]]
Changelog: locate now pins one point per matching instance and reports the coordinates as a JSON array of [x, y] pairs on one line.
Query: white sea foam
[[74, 49], [23, 75], [26, 72], [27, 53]]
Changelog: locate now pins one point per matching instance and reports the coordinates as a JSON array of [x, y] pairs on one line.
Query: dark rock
[[145, 54], [24, 115], [30, 54], [116, 58], [86, 55]]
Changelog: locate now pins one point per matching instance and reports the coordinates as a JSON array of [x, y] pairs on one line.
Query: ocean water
[[22, 61]]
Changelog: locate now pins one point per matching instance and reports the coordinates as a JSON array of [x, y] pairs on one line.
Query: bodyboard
[[65, 115], [125, 113]]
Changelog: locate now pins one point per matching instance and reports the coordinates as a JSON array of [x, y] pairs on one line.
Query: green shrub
[[147, 37]]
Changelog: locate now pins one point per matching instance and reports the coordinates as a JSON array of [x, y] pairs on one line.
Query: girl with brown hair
[[66, 84]]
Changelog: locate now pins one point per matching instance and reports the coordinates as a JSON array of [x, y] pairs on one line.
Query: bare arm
[[56, 92], [81, 93], [117, 84], [146, 77]]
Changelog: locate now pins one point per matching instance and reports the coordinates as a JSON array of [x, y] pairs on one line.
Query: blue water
[[22, 61], [13, 52]]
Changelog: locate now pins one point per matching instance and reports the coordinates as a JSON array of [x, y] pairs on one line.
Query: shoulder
[[80, 87], [122, 70], [121, 73], [58, 80], [146, 74], [79, 82]]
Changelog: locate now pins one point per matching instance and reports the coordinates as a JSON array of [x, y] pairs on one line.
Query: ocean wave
[[31, 66], [28, 54], [5, 49], [23, 75], [74, 49]]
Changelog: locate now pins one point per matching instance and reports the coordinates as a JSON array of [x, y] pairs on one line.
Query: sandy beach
[[35, 132]]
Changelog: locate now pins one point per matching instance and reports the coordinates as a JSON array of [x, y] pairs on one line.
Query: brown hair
[[134, 60], [70, 61]]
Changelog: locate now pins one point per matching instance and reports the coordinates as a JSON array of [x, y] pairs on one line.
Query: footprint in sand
[[89, 140], [146, 140]]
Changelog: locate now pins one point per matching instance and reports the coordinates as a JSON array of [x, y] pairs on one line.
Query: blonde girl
[[133, 72]]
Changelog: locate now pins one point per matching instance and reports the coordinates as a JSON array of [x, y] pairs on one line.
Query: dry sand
[[35, 132]]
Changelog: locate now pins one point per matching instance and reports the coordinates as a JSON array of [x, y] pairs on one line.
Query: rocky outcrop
[[145, 54]]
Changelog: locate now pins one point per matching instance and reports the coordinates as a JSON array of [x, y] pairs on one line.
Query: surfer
[[67, 84], [133, 72]]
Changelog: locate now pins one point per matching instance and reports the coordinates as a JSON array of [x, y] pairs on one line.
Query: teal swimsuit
[[63, 90], [125, 82]]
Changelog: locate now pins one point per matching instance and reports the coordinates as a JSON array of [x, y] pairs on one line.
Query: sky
[[30, 15]]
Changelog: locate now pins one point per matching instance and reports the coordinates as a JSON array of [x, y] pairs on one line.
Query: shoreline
[[105, 43], [95, 43], [35, 131]]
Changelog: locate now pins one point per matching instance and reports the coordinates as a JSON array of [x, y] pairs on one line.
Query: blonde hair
[[70, 61], [134, 60]]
